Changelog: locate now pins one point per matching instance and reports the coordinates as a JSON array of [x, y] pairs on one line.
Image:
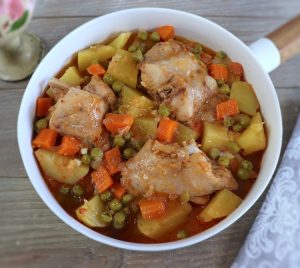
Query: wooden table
[[32, 236]]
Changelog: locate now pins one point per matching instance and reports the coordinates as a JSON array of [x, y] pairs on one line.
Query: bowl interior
[[187, 25]]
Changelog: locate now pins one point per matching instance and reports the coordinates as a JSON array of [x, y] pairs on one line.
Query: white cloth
[[274, 239]]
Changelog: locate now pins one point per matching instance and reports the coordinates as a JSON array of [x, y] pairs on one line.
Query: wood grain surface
[[32, 236]]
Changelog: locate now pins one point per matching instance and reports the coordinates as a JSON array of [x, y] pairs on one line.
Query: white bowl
[[187, 25]]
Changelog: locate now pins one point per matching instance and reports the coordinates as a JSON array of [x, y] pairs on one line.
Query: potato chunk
[[121, 40], [214, 135], [175, 215], [185, 133], [145, 127], [97, 53], [72, 76], [61, 168], [222, 204], [123, 68], [253, 139], [243, 93], [89, 213]]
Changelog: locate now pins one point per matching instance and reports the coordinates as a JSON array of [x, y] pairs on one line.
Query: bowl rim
[[78, 226]]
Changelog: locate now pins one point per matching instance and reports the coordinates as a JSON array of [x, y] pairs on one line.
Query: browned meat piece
[[98, 87], [173, 75], [79, 113], [174, 169]]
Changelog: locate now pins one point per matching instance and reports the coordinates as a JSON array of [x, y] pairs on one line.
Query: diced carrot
[[166, 130], [69, 146], [206, 58], [152, 208], [45, 139], [96, 69], [119, 190], [115, 123], [112, 160], [227, 108], [234, 165], [235, 68], [101, 179], [42, 106], [218, 71], [166, 32]]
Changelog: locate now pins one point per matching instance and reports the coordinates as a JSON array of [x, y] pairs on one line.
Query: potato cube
[[222, 204]]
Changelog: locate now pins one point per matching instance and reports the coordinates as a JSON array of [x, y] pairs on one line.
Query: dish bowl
[[190, 26]]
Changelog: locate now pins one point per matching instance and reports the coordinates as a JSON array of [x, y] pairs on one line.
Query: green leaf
[[20, 22]]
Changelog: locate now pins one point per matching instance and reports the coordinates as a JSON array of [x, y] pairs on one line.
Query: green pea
[[137, 55], [115, 205], [185, 197], [142, 47], [126, 211], [117, 226], [228, 121], [120, 217], [106, 196], [117, 86], [127, 198], [119, 141], [106, 217], [182, 234], [96, 153], [143, 35], [127, 136], [224, 89], [128, 152], [132, 48], [243, 119], [197, 49], [237, 127], [220, 82], [243, 173], [119, 220], [136, 145], [221, 54], [246, 164], [77, 190], [224, 161], [64, 190], [163, 110], [40, 124], [233, 147], [108, 79], [155, 37], [86, 159], [214, 153]]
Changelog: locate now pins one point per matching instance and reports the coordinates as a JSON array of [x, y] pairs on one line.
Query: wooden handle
[[287, 39]]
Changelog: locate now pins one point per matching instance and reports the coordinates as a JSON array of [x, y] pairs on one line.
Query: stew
[[149, 137]]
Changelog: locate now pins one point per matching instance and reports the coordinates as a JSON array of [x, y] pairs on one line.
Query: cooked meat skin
[[171, 169], [98, 87], [79, 113], [173, 75]]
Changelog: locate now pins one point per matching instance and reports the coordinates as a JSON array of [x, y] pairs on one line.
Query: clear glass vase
[[20, 52]]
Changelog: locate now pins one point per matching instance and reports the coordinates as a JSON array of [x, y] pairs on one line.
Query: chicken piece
[[174, 169], [172, 75], [98, 87], [79, 113]]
